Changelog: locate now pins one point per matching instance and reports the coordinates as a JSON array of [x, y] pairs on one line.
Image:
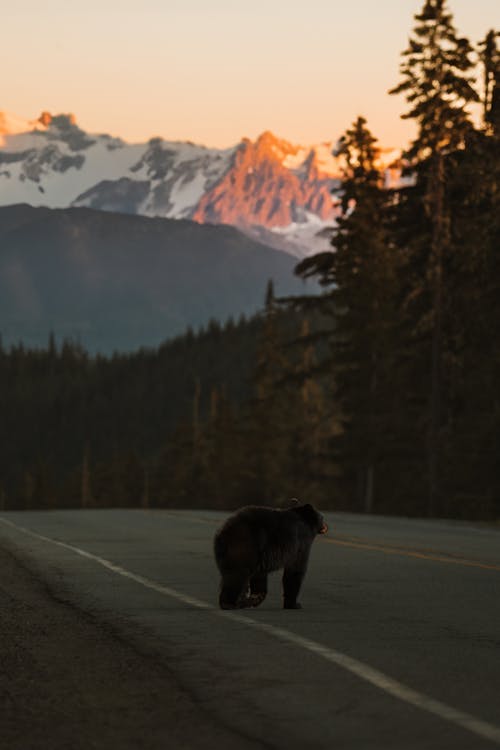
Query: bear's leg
[[292, 580], [258, 589], [234, 591]]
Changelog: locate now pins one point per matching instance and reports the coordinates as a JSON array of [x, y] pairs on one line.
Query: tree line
[[222, 417], [414, 288], [381, 394]]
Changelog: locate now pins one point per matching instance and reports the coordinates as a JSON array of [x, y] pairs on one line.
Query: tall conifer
[[360, 274], [437, 82], [490, 59], [271, 407]]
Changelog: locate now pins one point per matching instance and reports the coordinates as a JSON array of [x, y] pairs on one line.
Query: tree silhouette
[[437, 81]]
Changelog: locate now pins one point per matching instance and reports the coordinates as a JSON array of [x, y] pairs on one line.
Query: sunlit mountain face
[[270, 189]]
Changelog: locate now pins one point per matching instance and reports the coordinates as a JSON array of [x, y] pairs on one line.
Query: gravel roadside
[[67, 682]]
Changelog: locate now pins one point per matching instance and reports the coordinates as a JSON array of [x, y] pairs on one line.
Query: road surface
[[397, 645]]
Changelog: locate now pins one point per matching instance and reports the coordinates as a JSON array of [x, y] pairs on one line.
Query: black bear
[[255, 541]]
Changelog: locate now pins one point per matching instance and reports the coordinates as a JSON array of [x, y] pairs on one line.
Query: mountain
[[272, 190], [117, 281]]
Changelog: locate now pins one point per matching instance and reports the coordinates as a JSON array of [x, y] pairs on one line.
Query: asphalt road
[[397, 644]]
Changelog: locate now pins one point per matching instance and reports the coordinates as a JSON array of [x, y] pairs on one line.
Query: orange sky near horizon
[[215, 72]]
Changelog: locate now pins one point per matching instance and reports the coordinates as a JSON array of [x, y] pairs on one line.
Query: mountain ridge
[[268, 188], [124, 281]]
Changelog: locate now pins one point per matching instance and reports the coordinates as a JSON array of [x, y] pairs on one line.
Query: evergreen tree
[[313, 426], [490, 59], [437, 81], [474, 272], [271, 408], [361, 281], [226, 479]]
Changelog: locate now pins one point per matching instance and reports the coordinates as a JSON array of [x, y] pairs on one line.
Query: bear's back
[[257, 536]]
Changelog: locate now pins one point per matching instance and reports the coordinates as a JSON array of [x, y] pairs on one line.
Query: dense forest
[[381, 394], [206, 419]]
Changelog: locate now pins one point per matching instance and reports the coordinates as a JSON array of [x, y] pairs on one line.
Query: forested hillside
[[208, 419], [116, 282], [65, 411]]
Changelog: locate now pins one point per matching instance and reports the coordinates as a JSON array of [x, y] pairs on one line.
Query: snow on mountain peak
[[261, 186]]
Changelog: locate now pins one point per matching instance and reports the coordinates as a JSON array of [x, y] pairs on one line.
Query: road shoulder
[[67, 681]]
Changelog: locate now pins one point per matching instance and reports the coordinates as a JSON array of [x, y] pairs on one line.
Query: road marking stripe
[[360, 669], [356, 543], [434, 557]]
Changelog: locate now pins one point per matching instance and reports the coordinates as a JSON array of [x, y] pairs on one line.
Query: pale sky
[[213, 71]]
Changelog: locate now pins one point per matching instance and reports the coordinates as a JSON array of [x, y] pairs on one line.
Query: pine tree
[[268, 431], [227, 472], [270, 298], [437, 81], [361, 282], [313, 425], [490, 58], [474, 273]]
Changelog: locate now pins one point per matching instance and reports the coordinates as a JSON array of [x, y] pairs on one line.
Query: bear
[[258, 540]]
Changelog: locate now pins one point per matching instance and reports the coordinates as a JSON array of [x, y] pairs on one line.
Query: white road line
[[363, 671]]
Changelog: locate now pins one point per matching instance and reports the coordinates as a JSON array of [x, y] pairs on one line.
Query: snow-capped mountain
[[269, 188]]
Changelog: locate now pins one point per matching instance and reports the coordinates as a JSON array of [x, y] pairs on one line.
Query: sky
[[213, 71]]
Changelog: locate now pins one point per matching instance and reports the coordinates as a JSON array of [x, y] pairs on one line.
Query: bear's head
[[311, 517]]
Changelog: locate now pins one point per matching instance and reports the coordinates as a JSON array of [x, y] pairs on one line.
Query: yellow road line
[[433, 557], [356, 543]]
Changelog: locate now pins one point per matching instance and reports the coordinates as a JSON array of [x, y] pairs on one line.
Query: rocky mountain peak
[[268, 187], [61, 121], [260, 189], [268, 141], [45, 118]]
